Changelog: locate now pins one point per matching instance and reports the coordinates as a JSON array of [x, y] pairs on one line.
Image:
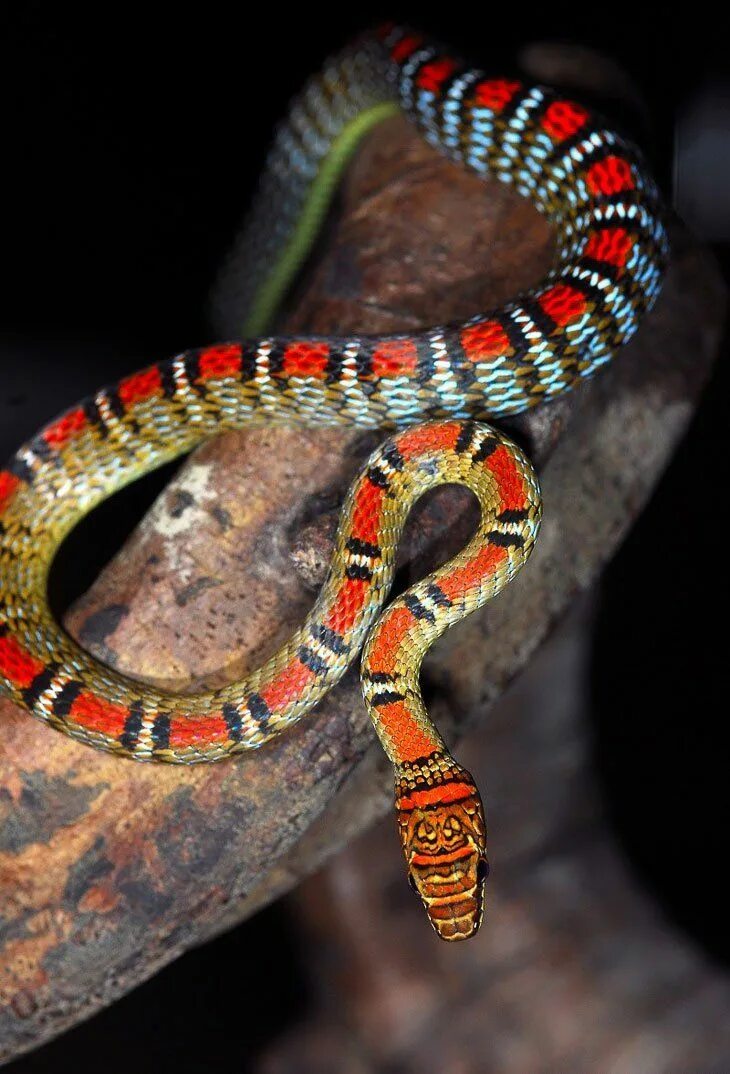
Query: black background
[[131, 143]]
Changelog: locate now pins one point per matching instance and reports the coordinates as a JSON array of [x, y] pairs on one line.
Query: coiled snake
[[594, 189]]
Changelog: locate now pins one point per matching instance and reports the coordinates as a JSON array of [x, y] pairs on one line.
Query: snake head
[[442, 830]]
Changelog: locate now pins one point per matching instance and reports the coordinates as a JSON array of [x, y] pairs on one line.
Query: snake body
[[434, 387]]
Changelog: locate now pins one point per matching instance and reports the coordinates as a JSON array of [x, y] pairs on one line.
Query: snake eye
[[482, 870]]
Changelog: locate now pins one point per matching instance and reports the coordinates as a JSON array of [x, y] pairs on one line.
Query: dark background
[[131, 146]]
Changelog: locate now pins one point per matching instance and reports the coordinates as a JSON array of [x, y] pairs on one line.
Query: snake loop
[[435, 387]]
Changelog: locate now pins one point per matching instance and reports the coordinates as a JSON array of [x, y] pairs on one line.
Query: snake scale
[[434, 388]]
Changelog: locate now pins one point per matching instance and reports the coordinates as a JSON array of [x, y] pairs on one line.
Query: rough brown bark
[[108, 870]]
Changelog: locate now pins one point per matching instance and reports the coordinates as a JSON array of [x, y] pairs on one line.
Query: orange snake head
[[442, 830]]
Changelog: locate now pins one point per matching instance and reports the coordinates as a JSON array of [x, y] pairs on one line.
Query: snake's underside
[[439, 385]]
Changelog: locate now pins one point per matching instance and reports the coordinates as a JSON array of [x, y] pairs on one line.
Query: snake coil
[[436, 387]]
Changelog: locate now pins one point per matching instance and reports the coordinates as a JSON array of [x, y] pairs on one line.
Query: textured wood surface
[[108, 869]]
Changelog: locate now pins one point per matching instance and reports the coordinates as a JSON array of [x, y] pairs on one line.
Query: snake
[[434, 393]]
